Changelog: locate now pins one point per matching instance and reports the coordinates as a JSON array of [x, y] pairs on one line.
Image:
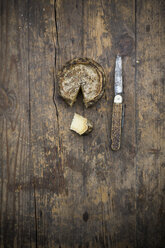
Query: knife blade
[[117, 106], [118, 86]]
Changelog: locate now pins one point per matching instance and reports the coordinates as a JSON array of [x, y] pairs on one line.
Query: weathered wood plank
[[17, 204], [111, 172], [150, 136]]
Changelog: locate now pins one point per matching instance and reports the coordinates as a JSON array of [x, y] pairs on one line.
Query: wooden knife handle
[[116, 126]]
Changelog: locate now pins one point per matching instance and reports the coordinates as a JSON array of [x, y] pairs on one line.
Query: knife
[[117, 112]]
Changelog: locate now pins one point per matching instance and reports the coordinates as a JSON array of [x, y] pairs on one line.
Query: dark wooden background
[[59, 189]]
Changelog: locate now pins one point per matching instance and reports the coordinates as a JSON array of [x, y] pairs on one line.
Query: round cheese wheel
[[81, 74]]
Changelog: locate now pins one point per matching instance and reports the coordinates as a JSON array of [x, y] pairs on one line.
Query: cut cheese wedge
[[81, 74], [81, 125]]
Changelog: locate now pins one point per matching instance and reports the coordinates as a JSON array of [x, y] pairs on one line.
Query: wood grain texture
[[150, 125], [59, 189]]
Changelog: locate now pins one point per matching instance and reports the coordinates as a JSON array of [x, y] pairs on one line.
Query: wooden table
[[59, 189]]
